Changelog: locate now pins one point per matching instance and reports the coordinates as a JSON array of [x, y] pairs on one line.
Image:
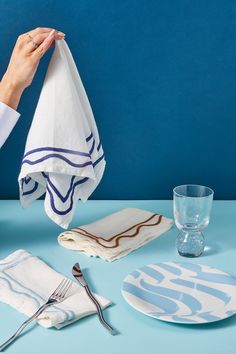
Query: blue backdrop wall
[[161, 79]]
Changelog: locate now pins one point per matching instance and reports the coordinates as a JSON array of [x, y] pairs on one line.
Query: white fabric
[[26, 282], [63, 154], [8, 119], [116, 235]]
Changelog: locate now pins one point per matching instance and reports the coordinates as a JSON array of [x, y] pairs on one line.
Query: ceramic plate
[[181, 292]]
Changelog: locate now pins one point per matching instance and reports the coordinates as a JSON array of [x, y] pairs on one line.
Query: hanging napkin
[[116, 235], [26, 282], [63, 154]]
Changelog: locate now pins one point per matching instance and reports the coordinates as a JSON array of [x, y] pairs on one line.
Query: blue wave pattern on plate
[[211, 291], [189, 300], [166, 305], [181, 292], [213, 278]]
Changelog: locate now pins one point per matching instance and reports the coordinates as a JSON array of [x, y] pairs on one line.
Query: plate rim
[[169, 320]]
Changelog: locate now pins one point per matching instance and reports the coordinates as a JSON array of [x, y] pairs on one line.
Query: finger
[[42, 30], [23, 42], [40, 38], [25, 37], [45, 45], [39, 30]]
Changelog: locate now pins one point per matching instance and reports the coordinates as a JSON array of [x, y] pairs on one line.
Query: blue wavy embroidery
[[61, 157], [23, 180], [99, 146], [50, 186], [19, 257], [92, 148], [65, 151], [10, 286], [68, 314], [18, 254], [35, 187], [52, 203], [89, 137], [98, 160], [27, 180], [60, 196], [72, 189]]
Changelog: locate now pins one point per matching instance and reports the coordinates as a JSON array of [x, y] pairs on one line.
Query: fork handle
[[99, 309], [24, 324]]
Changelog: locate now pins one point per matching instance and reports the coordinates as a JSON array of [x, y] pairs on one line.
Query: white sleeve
[[8, 119]]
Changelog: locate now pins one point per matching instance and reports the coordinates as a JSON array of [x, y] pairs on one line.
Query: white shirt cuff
[[8, 119]]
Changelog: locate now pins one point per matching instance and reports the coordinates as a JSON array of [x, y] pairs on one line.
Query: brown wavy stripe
[[120, 235]]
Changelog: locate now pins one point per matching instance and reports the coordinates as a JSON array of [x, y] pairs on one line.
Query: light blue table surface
[[30, 229]]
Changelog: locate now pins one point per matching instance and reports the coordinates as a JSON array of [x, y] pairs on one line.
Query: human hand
[[25, 58]]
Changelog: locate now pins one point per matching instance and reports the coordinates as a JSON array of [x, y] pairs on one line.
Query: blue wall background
[[161, 79]]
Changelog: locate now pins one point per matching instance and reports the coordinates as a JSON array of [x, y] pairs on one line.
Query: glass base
[[189, 255], [190, 243]]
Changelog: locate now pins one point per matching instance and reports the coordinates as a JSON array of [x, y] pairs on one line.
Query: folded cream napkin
[[63, 154], [26, 282], [116, 235]]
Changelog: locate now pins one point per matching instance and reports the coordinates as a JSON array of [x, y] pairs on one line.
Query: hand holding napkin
[[116, 235], [26, 282], [63, 154]]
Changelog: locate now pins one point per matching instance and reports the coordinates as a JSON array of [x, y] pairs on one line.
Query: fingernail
[[61, 34]]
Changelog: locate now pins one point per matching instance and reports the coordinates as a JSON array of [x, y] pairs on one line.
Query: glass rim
[[211, 192]]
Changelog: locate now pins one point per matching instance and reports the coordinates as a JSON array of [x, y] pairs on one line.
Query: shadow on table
[[211, 249]]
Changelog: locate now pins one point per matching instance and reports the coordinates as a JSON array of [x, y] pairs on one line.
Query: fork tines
[[62, 288]]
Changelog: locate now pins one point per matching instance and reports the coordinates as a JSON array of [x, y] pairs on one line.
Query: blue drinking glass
[[192, 208]]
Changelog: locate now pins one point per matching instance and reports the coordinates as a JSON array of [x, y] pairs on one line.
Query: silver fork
[[57, 296]]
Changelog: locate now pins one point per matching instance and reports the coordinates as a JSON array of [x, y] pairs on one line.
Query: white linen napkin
[[26, 282], [63, 154], [116, 235]]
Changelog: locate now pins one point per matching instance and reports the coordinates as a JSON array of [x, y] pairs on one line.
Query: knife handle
[[99, 309]]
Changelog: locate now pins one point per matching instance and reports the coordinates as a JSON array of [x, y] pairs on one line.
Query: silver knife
[[77, 273]]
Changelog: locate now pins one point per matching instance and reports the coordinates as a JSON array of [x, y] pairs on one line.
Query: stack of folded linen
[[116, 235]]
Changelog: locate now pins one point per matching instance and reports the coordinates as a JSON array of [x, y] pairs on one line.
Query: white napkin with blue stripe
[[63, 155], [26, 282]]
